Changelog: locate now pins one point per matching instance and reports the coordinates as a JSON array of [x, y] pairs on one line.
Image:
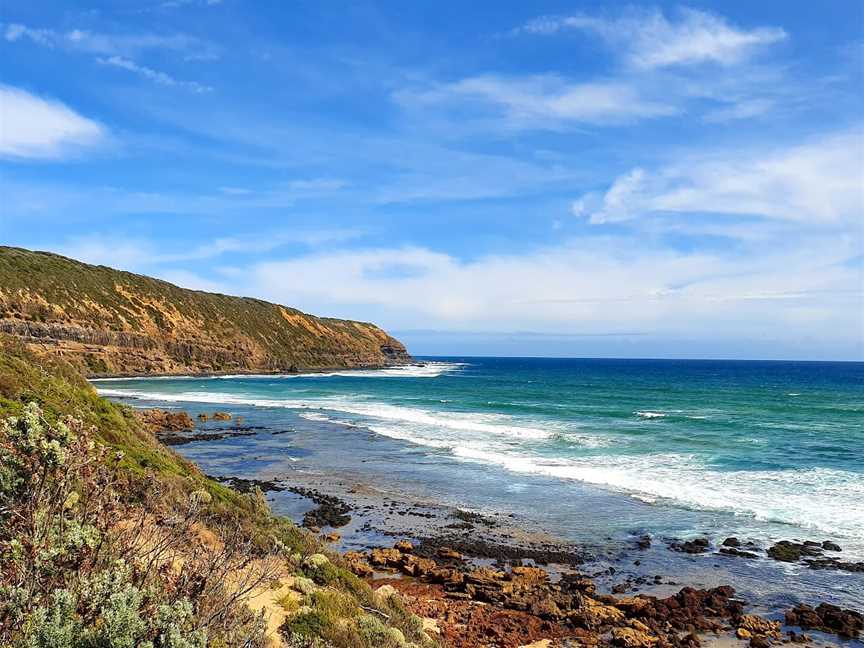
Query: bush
[[81, 567]]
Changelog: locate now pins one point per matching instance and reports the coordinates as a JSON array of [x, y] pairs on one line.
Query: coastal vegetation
[[110, 539], [111, 322]]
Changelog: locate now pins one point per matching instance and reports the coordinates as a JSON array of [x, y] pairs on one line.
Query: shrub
[[83, 567]]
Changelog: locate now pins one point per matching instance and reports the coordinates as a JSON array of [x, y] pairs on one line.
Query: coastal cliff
[[110, 322]]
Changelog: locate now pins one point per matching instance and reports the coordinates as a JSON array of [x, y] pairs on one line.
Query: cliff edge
[[111, 322]]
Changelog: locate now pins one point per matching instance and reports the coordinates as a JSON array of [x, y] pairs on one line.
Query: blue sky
[[504, 178]]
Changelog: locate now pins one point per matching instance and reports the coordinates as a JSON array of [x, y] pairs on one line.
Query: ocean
[[588, 449]]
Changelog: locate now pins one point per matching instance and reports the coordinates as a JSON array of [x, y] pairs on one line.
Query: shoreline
[[252, 373], [365, 520], [394, 540]]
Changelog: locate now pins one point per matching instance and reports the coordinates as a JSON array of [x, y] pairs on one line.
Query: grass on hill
[[110, 540]]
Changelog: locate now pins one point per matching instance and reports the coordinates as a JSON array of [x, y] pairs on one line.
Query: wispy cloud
[[820, 181], [745, 109], [143, 254], [118, 50], [648, 39], [105, 44], [547, 101], [34, 127], [156, 76]]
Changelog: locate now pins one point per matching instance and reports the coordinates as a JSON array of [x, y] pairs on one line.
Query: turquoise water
[[773, 442]]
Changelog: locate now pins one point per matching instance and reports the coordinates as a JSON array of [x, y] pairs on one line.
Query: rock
[[331, 510], [484, 576], [831, 546], [332, 537], [202, 417], [356, 562], [799, 638], [632, 638], [644, 542], [221, 416], [405, 546], [788, 551], [743, 633], [696, 546], [578, 583], [419, 567], [545, 607], [449, 554], [756, 625], [827, 618], [760, 642], [594, 614], [732, 551], [834, 563], [385, 557], [732, 542], [158, 420], [529, 575], [635, 605], [446, 576]]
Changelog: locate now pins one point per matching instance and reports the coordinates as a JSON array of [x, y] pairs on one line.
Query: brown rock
[[632, 638], [419, 567], [757, 626], [385, 557], [356, 562], [158, 420], [221, 416], [594, 614], [405, 546], [449, 554], [528, 576], [827, 618], [332, 537], [446, 576]]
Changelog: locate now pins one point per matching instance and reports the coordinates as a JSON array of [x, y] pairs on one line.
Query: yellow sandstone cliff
[[108, 321]]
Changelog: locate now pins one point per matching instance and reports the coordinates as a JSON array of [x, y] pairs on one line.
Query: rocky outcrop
[[159, 420], [112, 322], [522, 603], [827, 618]]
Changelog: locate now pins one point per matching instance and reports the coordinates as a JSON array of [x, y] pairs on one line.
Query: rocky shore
[[480, 580]]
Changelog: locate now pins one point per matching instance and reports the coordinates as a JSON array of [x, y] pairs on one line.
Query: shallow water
[[592, 450]]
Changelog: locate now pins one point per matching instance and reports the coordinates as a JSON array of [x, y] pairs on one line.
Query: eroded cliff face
[[110, 322]]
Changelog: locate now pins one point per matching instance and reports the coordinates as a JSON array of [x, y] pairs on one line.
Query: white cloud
[[648, 39], [821, 181], [746, 109], [90, 42], [588, 285], [32, 127], [143, 254], [156, 76], [543, 101]]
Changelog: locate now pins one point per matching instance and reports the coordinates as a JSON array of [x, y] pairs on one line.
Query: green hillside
[[113, 322], [108, 539]]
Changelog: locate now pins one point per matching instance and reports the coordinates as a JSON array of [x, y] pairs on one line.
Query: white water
[[822, 500]]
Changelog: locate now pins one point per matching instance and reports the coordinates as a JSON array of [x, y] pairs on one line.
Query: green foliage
[[85, 562]]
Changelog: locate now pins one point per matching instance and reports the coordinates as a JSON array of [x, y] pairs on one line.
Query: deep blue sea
[[588, 448]]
